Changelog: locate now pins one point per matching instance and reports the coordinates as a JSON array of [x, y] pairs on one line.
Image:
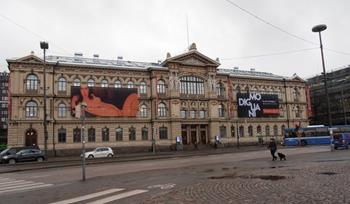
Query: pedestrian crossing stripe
[[8, 185], [102, 193]]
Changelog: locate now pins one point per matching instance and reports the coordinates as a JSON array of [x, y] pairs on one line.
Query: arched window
[[220, 89], [117, 84], [104, 83], [62, 84], [62, 135], [143, 88], [221, 110], [258, 130], [130, 85], [119, 134], [267, 130], [105, 134], [76, 135], [241, 131], [275, 130], [32, 82], [160, 87], [31, 109], [132, 134], [76, 82], [161, 110], [250, 131], [282, 129], [91, 135], [144, 133], [143, 111], [191, 85], [62, 110], [91, 83]]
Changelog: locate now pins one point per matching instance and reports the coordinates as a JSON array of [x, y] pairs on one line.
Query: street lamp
[[318, 29], [45, 46], [83, 107]]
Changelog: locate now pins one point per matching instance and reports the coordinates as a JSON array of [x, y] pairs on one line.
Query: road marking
[[20, 186], [163, 186], [119, 196], [13, 183], [86, 197], [25, 188], [5, 179]]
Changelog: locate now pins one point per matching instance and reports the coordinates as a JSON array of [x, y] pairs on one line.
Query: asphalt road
[[177, 179]]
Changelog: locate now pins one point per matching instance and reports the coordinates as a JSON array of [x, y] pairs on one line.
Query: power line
[[279, 28], [271, 54], [32, 32]]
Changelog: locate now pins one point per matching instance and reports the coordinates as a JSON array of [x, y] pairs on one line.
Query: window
[[76, 82], [223, 131], [161, 110], [275, 130], [221, 110], [282, 129], [183, 113], [132, 134], [62, 135], [130, 85], [117, 84], [144, 133], [160, 87], [233, 131], [105, 134], [119, 134], [297, 112], [31, 109], [143, 88], [62, 110], [76, 135], [193, 114], [258, 130], [241, 131], [267, 130], [250, 131], [61, 84], [220, 89], [163, 133], [202, 114], [32, 82], [104, 83], [91, 135], [191, 85], [296, 94], [91, 83], [143, 111]]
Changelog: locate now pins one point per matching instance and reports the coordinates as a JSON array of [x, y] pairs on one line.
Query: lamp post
[[83, 107], [45, 46], [318, 29]]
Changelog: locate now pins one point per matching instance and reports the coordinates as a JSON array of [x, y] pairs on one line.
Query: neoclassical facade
[[185, 95]]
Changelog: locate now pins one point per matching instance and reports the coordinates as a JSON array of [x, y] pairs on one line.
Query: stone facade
[[4, 77], [192, 113]]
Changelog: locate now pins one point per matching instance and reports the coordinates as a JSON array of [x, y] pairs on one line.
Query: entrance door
[[31, 137], [184, 137], [193, 136], [203, 137]]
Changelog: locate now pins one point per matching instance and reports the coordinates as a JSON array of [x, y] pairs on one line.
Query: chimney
[[252, 69], [96, 56], [120, 58], [78, 54], [236, 68]]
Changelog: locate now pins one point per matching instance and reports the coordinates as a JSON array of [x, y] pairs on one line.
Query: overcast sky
[[145, 30]]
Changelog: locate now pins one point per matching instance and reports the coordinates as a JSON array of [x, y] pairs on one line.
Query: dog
[[281, 156]]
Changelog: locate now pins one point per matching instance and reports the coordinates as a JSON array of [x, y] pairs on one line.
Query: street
[[310, 175]]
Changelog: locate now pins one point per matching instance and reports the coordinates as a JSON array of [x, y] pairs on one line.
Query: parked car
[[14, 150], [100, 152], [341, 140], [2, 147], [24, 155]]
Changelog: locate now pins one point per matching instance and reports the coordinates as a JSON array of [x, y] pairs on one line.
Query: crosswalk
[[114, 195], [8, 185]]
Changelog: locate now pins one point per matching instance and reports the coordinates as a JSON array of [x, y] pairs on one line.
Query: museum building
[[130, 105]]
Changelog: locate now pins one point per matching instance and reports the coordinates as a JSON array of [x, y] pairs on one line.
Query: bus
[[312, 135]]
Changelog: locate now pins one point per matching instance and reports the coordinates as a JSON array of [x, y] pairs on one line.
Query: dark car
[[24, 155], [341, 140]]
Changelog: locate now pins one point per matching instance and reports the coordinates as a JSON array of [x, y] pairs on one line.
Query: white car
[[100, 152]]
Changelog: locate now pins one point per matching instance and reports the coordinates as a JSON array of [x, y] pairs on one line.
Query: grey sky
[[145, 30]]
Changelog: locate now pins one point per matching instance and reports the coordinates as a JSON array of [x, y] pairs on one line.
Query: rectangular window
[[183, 113], [144, 133], [119, 134], [105, 135], [62, 135], [163, 133], [77, 135], [223, 131], [202, 114], [91, 135], [132, 134], [193, 114]]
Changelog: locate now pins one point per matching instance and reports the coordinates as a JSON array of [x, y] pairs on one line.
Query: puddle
[[273, 167], [265, 177], [226, 176]]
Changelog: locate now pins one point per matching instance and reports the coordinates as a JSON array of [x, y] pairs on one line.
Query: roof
[[97, 62], [251, 73]]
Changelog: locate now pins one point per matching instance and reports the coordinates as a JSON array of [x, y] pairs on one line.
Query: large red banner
[[104, 102]]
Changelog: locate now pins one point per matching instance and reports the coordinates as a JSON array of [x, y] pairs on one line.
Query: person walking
[[273, 148]]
